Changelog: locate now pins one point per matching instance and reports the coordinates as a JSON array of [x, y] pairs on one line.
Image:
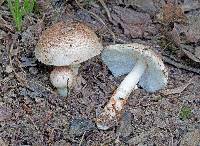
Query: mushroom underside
[[121, 63]]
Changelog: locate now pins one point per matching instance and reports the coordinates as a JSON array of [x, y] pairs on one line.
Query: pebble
[[125, 128], [79, 126]]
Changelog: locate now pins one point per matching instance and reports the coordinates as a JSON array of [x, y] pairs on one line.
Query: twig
[[179, 65], [81, 141], [98, 18], [106, 8], [166, 46]]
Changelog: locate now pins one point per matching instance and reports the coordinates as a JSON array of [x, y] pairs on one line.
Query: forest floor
[[31, 113]]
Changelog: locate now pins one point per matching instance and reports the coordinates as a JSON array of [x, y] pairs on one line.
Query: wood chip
[[173, 13]]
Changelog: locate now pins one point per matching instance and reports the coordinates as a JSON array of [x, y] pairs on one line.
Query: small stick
[[179, 65], [81, 141], [106, 8]]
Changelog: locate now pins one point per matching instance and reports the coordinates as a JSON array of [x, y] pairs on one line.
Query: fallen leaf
[[145, 5], [9, 69], [172, 13], [2, 34], [135, 23], [174, 36], [193, 30]]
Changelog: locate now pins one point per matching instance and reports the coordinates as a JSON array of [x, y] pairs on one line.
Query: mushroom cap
[[67, 43], [62, 77], [121, 58]]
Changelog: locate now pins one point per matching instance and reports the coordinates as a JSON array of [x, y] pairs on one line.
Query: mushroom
[[62, 78], [66, 44], [142, 65]]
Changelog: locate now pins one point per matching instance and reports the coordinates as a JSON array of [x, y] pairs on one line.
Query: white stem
[[63, 79], [130, 81], [63, 91], [115, 105]]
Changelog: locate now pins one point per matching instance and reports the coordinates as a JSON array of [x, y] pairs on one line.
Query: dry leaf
[[172, 13], [136, 24], [2, 142], [145, 5], [174, 36], [191, 31]]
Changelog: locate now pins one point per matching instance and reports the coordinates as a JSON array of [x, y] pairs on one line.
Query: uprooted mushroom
[[66, 45], [142, 65]]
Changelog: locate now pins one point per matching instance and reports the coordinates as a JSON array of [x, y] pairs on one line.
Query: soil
[[31, 112]]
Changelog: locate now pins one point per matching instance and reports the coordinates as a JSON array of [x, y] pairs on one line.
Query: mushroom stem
[[63, 79], [129, 83], [63, 91], [118, 99]]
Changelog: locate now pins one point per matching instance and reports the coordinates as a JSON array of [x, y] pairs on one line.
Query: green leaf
[[185, 113], [19, 11], [28, 6]]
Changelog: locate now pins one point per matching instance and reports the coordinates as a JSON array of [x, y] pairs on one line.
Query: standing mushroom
[[67, 45], [144, 67], [62, 78]]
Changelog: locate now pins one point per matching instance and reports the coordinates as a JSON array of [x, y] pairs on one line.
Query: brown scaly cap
[[67, 43]]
